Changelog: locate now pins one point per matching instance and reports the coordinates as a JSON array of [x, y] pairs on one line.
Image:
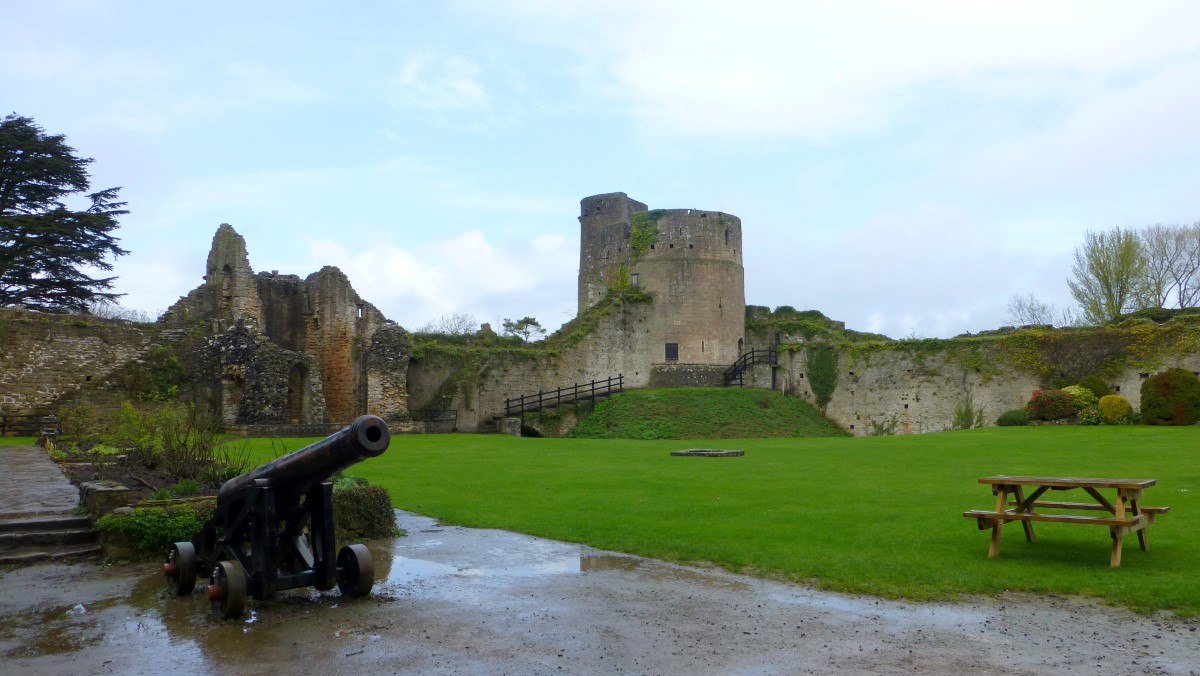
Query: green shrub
[[1014, 418], [185, 487], [160, 494], [967, 415], [177, 436], [80, 425], [154, 528], [1115, 409], [215, 475], [1050, 404], [103, 449], [1091, 416], [1171, 398], [1096, 384], [1081, 397], [362, 511]]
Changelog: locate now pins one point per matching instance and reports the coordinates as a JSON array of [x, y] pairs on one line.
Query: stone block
[[102, 497]]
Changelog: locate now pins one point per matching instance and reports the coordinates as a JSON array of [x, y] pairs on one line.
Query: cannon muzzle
[[295, 473]]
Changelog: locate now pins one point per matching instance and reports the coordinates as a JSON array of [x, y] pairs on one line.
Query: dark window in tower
[[726, 236], [672, 351]]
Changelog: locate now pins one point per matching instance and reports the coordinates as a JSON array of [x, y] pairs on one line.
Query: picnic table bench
[[1123, 515]]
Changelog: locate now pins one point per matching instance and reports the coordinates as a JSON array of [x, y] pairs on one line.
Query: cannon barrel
[[295, 473]]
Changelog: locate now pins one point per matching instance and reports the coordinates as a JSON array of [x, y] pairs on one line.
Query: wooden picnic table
[[1123, 514]]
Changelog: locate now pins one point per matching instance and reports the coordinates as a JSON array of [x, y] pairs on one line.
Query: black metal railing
[[529, 403], [734, 374]]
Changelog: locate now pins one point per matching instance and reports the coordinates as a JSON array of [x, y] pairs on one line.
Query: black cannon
[[273, 528]]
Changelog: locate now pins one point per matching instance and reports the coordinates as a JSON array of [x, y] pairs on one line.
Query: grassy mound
[[703, 413]]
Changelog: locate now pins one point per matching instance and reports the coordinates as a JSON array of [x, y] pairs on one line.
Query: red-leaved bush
[[1050, 404]]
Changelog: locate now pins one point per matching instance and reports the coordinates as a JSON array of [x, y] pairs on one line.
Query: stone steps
[[41, 538]]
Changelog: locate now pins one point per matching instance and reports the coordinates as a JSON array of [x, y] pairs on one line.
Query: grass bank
[[877, 515], [703, 413]]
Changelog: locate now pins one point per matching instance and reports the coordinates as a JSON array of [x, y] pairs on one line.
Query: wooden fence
[[529, 403]]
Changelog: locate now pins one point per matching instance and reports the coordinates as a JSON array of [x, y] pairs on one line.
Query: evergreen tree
[[46, 248]]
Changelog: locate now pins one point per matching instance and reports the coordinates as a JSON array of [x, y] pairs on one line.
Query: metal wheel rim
[[228, 577], [183, 580], [356, 571]]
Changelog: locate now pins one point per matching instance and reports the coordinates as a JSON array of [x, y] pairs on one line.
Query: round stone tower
[[688, 260]]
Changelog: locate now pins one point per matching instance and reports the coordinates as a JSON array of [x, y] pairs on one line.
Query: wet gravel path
[[453, 600], [31, 484]]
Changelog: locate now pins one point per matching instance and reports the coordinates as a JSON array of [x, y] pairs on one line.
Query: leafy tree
[[527, 328], [46, 247], [1109, 272]]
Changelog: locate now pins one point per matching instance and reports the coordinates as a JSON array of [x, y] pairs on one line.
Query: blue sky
[[906, 167]]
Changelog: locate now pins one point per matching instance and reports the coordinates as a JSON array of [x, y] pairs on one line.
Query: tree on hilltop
[[45, 247], [1110, 274], [453, 324], [527, 328]]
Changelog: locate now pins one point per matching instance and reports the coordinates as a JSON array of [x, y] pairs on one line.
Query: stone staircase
[[31, 539]]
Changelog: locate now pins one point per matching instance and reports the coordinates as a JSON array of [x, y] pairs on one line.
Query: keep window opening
[[672, 351]]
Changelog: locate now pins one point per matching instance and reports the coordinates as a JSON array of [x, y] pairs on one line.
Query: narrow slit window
[[633, 279]]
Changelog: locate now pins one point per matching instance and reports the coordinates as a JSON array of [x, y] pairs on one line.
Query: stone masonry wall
[[45, 357], [894, 392]]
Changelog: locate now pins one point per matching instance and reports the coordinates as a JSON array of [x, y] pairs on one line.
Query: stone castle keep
[[661, 304], [693, 267]]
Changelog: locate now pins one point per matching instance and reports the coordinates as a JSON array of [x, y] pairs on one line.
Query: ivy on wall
[[822, 368], [644, 231]]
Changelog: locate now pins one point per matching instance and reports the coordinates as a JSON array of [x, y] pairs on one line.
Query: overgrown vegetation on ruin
[[822, 368], [1057, 357], [643, 231]]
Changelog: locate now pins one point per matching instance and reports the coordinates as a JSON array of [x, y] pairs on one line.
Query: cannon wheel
[[180, 569], [227, 590], [355, 571]]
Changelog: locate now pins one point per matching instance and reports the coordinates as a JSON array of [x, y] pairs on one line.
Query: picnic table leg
[[1028, 526], [998, 524], [1115, 560], [1133, 507]]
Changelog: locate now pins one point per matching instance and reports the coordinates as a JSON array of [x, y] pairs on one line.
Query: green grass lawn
[[18, 441], [877, 515]]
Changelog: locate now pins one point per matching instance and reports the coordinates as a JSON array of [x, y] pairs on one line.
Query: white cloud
[[762, 67], [449, 90], [465, 273]]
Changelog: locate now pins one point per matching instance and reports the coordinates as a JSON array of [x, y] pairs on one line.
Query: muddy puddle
[[456, 600]]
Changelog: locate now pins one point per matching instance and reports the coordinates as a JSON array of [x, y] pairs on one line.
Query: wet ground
[[453, 600], [31, 484]]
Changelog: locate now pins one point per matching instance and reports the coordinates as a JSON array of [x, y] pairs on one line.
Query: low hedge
[[1014, 418]]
